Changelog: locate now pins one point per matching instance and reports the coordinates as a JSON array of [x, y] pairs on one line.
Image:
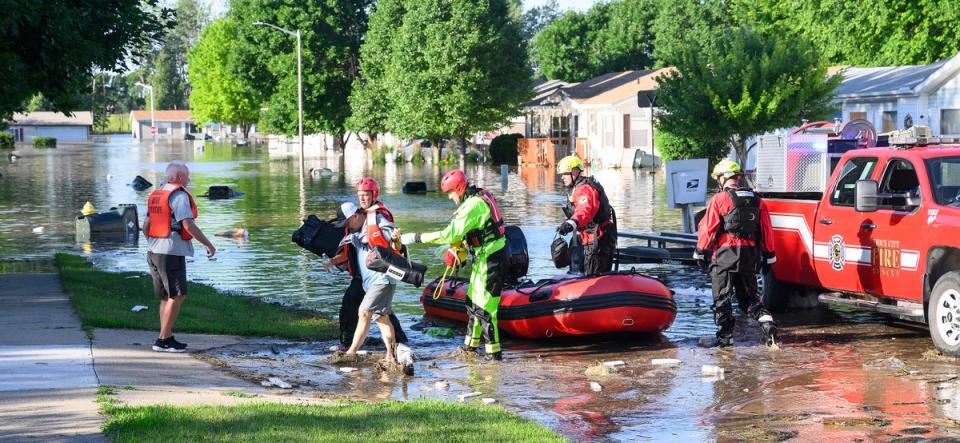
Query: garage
[[75, 128]]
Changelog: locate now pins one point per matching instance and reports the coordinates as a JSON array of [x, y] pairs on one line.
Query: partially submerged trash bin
[[414, 188], [118, 223], [222, 192], [140, 184]]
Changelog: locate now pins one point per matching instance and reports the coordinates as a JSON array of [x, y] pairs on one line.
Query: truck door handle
[[826, 221], [867, 225]]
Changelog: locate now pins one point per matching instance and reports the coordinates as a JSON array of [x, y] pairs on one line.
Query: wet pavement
[[834, 380]]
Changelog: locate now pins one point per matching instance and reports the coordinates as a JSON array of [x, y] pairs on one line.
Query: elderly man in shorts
[[170, 227], [377, 304]]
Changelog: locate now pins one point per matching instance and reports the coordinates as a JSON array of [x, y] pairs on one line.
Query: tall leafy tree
[[331, 32], [460, 67], [682, 23], [218, 94], [563, 49], [55, 47], [745, 84], [369, 98], [864, 33], [537, 18], [610, 37], [168, 62]]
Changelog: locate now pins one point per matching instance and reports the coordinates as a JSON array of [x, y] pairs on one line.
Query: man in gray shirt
[[170, 227]]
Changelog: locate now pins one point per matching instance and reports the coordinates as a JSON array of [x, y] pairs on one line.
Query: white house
[[171, 124], [608, 119], [66, 129], [928, 94]]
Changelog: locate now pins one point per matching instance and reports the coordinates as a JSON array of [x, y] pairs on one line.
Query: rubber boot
[[494, 356], [770, 334], [715, 342]]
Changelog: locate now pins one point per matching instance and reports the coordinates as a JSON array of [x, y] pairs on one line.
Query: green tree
[[537, 18], [625, 42], [609, 37], [865, 33], [682, 23], [674, 147], [745, 84], [461, 67], [331, 33], [168, 62], [218, 94], [54, 47], [369, 98], [563, 49]]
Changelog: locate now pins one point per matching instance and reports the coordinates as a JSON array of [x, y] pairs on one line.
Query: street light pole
[[299, 84], [153, 122]]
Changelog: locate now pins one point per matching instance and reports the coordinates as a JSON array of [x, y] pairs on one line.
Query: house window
[[889, 121], [638, 136], [949, 121], [858, 116], [607, 131]]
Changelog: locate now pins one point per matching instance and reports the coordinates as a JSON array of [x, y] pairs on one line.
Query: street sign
[[153, 129]]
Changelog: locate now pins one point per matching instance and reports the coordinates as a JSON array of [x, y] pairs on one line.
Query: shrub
[[417, 158], [6, 140], [503, 149], [44, 142], [674, 147]]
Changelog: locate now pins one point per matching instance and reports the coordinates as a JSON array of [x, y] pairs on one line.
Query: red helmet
[[455, 181], [369, 184]]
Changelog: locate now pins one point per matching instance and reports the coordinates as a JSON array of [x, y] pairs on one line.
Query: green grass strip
[[103, 300], [393, 421]]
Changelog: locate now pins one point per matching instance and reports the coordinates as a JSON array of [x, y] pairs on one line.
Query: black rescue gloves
[[566, 227]]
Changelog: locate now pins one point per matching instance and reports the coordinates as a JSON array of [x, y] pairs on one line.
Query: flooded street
[[840, 377]]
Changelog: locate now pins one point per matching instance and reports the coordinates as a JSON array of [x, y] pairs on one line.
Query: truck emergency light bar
[[917, 136]]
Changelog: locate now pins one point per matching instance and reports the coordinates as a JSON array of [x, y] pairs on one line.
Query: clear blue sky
[[219, 7]]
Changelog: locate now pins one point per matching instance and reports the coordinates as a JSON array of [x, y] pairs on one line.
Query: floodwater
[[840, 377]]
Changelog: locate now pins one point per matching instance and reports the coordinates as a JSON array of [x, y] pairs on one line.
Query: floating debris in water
[[665, 361], [348, 369], [463, 397], [711, 370], [595, 387], [441, 385], [488, 401], [38, 230]]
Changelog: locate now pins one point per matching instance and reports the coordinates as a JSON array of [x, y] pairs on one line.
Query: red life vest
[[160, 215], [375, 237]]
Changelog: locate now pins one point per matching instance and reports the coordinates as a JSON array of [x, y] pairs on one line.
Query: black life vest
[[494, 228], [604, 215], [744, 219]]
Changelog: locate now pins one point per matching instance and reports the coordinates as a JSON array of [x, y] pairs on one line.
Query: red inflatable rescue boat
[[568, 305]]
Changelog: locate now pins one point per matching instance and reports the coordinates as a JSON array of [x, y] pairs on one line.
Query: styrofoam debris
[[363, 352], [348, 369], [333, 348], [488, 401], [595, 387], [665, 361], [441, 385], [463, 397], [38, 230], [404, 355], [614, 363], [278, 382], [266, 384], [712, 370], [138, 308]]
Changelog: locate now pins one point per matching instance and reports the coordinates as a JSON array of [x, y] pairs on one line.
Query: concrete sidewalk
[[51, 371], [49, 384]]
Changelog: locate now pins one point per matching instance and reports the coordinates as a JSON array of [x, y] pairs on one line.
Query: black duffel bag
[[318, 236], [385, 260], [560, 252]]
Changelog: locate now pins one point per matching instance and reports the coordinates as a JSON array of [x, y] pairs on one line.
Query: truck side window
[[854, 169], [899, 181]]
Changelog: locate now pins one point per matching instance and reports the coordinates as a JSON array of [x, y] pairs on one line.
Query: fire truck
[[866, 221]]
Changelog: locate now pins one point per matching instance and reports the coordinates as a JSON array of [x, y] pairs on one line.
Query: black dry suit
[[598, 238]]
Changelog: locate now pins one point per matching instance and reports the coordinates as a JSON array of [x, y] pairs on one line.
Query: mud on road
[[839, 377]]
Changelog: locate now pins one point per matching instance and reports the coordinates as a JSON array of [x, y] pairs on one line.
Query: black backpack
[[320, 237]]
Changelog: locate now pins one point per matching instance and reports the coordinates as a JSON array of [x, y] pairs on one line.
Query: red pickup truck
[[884, 235]]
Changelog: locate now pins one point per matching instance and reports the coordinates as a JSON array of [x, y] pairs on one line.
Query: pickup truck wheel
[[775, 294], [943, 314]]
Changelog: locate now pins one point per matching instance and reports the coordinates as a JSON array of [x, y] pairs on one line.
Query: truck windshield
[[945, 179]]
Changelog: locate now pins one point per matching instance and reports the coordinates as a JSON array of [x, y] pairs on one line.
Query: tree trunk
[[435, 152], [340, 148], [463, 151], [245, 128]]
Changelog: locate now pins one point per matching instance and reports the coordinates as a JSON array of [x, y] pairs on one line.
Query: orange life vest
[[158, 209], [375, 237]]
